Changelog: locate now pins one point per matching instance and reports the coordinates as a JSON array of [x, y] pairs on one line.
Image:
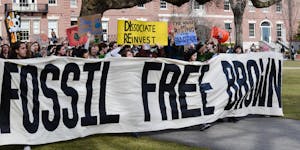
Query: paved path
[[291, 68], [247, 134]]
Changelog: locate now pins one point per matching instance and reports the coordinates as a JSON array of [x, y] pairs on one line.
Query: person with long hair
[[5, 50], [60, 50], [20, 51], [35, 49]]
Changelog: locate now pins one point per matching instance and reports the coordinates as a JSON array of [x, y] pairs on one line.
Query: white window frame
[[141, 6], [74, 19], [163, 5], [1, 27], [25, 28], [197, 6], [52, 4], [278, 6], [266, 9], [105, 25], [279, 29], [55, 28], [38, 29], [73, 3], [249, 30], [225, 3]]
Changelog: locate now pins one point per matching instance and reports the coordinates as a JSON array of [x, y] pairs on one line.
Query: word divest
[[45, 100]]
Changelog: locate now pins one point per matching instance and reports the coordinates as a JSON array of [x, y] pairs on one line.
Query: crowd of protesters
[[92, 50]]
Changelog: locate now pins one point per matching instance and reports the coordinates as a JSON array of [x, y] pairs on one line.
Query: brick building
[[40, 16], [267, 24]]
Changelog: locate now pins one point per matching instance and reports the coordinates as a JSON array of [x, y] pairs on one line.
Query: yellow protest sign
[[141, 32]]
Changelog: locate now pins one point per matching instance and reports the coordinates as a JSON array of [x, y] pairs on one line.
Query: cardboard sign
[[141, 32], [74, 38], [91, 24], [184, 32]]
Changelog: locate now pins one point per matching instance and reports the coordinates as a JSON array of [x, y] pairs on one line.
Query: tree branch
[[260, 4], [90, 7]]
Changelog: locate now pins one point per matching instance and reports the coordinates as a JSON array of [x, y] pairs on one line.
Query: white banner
[[46, 100]]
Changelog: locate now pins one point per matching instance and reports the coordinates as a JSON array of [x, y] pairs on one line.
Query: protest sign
[[74, 38], [91, 24], [184, 32], [141, 32], [13, 25], [59, 98]]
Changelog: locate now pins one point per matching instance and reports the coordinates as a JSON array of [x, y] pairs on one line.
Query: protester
[[238, 49], [94, 51], [103, 48], [81, 53], [253, 48], [206, 51], [35, 49], [60, 50], [293, 52], [19, 51], [53, 37], [146, 51], [190, 55], [126, 50], [5, 50]]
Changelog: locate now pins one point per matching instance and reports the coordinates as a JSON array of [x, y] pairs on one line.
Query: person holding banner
[[126, 51], [60, 50], [20, 51], [93, 51], [35, 49], [103, 48], [206, 51]]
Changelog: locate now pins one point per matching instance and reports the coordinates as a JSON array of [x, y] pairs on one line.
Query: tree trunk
[[238, 8], [238, 21], [290, 14]]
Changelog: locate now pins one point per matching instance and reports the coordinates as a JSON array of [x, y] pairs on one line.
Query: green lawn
[[291, 108], [108, 142], [289, 63], [291, 90]]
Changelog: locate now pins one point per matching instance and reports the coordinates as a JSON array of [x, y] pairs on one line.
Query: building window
[[105, 30], [279, 31], [52, 1], [36, 27], [1, 28], [74, 22], [23, 3], [25, 28], [141, 6], [52, 24], [251, 7], [73, 3], [251, 29], [278, 7], [226, 5], [265, 10], [163, 4], [227, 25]]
